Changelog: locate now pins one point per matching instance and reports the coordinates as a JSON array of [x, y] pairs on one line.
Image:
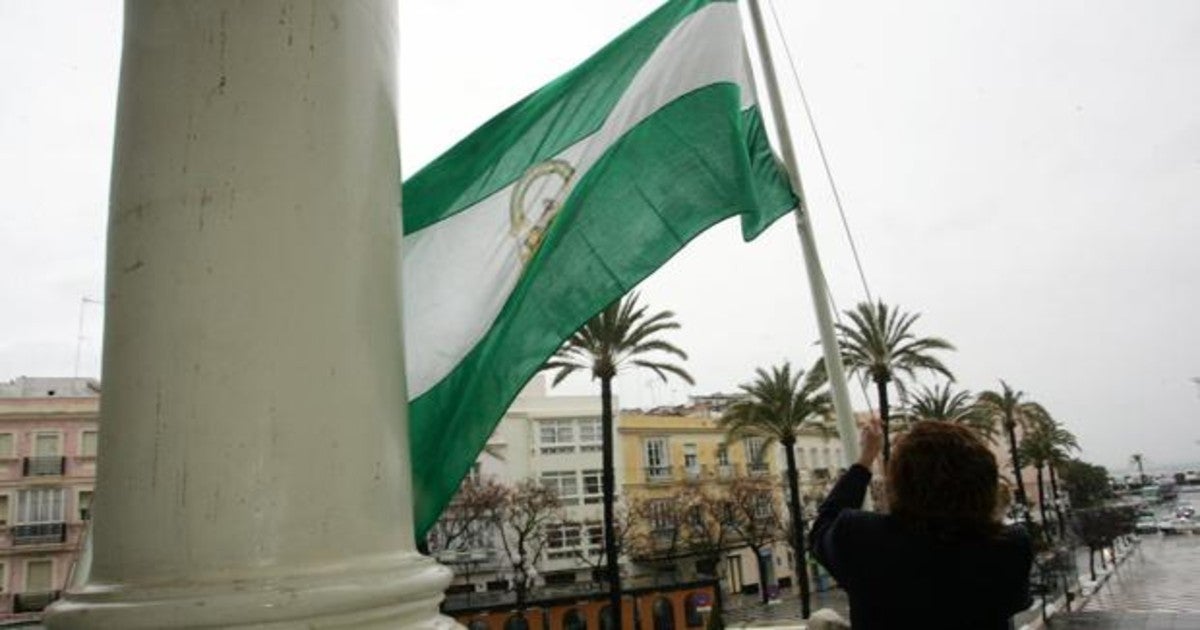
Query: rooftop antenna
[[83, 302]]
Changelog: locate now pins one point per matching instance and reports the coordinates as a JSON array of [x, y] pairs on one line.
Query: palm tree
[[780, 406], [879, 344], [1044, 446], [1010, 408], [619, 336], [946, 405], [1064, 441], [1137, 459]]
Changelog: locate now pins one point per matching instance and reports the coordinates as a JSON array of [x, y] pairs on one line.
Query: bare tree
[[754, 516], [593, 554], [523, 517], [658, 527], [468, 525], [469, 515]]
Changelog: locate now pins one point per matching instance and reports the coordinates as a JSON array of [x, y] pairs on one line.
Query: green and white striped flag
[[561, 204]]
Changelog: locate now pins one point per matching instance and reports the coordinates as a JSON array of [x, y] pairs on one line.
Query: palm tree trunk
[[607, 483], [793, 478], [1062, 527], [1041, 486], [1092, 562], [1018, 482], [884, 417]]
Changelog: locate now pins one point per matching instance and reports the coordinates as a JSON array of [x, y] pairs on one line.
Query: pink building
[[48, 437]]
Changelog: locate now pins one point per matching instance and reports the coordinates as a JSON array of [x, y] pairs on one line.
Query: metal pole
[[812, 263]]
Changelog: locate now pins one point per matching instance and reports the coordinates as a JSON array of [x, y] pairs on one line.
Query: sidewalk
[[1154, 588], [748, 610]]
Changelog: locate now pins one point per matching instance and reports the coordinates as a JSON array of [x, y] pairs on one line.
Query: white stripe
[[458, 273]]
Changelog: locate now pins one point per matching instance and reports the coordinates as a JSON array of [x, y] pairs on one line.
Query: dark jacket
[[902, 579]]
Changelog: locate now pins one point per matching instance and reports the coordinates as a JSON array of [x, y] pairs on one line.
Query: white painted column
[[253, 466]]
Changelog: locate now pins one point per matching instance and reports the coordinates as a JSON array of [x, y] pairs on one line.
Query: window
[[657, 459], [574, 620], [516, 622], [722, 455], [691, 610], [825, 457], [590, 435], [6, 445], [812, 457], [595, 533], [571, 535], [563, 540], [557, 436], [663, 614], [607, 619], [593, 488], [691, 460], [85, 504], [3, 509], [762, 507], [39, 576], [801, 461], [565, 483], [40, 505], [45, 444], [87, 443], [755, 454], [661, 517]]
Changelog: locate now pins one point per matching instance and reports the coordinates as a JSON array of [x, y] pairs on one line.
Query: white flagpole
[[847, 430]]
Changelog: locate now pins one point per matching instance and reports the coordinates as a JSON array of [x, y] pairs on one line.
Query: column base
[[399, 591]]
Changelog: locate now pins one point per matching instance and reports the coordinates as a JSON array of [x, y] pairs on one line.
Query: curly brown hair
[[943, 480]]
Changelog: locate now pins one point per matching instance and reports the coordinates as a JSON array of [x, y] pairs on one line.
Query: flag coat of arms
[[563, 203]]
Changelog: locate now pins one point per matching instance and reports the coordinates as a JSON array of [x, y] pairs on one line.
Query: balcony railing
[[756, 469], [39, 534], [44, 465], [725, 472], [658, 474], [33, 601], [702, 472]]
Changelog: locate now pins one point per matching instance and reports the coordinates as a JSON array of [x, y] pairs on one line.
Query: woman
[[941, 558]]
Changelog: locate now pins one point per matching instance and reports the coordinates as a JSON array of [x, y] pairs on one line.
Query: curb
[[1057, 606]]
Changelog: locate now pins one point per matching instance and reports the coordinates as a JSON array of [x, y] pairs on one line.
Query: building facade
[[675, 463], [49, 430], [555, 441]]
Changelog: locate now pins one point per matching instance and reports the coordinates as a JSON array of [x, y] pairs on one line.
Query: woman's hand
[[870, 443]]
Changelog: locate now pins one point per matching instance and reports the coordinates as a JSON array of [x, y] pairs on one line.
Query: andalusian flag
[[563, 203]]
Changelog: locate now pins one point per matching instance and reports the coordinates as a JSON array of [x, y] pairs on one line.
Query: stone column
[[253, 466]]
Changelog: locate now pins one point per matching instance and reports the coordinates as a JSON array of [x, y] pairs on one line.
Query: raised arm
[[848, 493]]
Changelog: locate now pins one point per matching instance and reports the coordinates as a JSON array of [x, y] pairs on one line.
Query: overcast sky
[[1024, 174]]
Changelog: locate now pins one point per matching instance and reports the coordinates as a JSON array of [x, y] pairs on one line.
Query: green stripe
[[683, 169], [540, 126]]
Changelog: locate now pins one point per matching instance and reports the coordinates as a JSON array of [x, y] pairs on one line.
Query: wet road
[[1163, 576], [1156, 588]]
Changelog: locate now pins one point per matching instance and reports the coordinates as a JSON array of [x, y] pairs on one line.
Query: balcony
[[758, 469], [44, 466], [33, 602], [658, 474], [39, 534]]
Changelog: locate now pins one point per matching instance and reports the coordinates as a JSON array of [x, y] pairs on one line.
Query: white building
[[555, 440]]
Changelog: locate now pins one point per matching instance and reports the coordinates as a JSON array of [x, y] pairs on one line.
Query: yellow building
[[665, 461]]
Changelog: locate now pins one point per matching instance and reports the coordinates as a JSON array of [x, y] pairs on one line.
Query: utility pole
[[83, 302]]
